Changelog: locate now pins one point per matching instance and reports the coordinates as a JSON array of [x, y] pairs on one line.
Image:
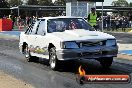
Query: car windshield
[[62, 24]]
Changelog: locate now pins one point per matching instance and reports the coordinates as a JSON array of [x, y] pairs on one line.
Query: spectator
[[92, 18], [108, 22], [124, 24]]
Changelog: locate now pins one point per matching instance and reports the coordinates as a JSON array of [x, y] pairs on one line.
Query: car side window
[[56, 25], [51, 27], [35, 27], [41, 28]]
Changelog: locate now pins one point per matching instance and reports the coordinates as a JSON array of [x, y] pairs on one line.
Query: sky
[[108, 2], [53, 0]]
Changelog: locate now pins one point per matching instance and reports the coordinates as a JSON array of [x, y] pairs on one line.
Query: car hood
[[81, 34]]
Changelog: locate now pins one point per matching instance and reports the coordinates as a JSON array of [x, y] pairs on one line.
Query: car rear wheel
[[53, 61], [106, 62], [28, 55]]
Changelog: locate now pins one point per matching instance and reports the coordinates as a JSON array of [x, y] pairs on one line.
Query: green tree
[[120, 3], [14, 2], [60, 2], [45, 2], [4, 4], [130, 4], [32, 2]]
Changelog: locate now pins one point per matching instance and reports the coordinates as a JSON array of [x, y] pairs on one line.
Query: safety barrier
[[5, 24]]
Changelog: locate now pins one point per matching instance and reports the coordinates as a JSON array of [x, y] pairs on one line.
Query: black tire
[[28, 55], [106, 62], [53, 61]]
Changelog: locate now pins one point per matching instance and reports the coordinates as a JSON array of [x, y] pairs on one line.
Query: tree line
[[14, 3]]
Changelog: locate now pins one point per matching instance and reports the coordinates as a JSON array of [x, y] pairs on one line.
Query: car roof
[[58, 17]]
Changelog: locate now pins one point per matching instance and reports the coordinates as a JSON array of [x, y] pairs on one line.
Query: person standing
[[92, 18], [12, 18], [108, 22]]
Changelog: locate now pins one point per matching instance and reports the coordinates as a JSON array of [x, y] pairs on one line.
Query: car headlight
[[111, 42], [69, 45]]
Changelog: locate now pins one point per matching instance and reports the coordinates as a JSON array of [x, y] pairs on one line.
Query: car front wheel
[[28, 55], [53, 61]]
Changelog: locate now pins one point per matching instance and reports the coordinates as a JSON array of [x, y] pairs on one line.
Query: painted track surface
[[14, 33], [41, 76]]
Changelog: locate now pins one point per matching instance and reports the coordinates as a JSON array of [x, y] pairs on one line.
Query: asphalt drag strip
[[40, 75]]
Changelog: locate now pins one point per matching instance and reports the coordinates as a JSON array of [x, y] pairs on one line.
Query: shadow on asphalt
[[90, 67]]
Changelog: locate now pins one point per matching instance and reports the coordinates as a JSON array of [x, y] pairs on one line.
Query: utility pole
[[18, 7], [102, 18]]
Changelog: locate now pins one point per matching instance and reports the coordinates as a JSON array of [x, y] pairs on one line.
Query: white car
[[67, 38]]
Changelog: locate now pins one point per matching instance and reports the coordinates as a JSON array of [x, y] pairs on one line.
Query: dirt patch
[[7, 81], [123, 56]]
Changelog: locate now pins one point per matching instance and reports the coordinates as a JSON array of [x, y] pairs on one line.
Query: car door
[[41, 38], [31, 36]]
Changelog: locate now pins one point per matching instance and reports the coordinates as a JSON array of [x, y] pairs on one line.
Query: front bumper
[[87, 53]]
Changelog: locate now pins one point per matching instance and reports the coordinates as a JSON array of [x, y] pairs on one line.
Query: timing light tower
[[80, 8]]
